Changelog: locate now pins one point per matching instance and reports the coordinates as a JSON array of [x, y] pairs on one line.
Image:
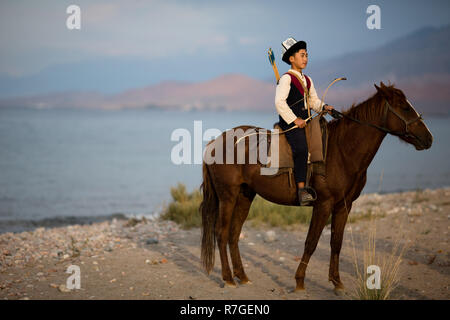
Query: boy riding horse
[[295, 94]]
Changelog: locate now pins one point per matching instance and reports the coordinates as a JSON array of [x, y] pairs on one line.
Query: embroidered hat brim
[[294, 48]]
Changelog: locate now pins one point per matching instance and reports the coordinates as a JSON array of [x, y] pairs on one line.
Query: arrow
[[274, 66]]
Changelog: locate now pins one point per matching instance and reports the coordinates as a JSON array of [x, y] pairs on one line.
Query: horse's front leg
[[338, 222], [320, 215]]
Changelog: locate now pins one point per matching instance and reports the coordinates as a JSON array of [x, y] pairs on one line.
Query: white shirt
[[282, 92]]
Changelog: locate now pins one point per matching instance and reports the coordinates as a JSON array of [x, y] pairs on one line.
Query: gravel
[[61, 244]]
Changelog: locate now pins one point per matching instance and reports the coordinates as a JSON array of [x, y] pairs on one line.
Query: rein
[[387, 108]]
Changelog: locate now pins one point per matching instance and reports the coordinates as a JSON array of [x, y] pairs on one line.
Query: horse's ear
[[382, 90]]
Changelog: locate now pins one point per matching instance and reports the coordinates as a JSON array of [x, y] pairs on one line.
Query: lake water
[[80, 165]]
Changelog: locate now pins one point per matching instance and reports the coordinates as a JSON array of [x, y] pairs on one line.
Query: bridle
[[387, 108], [338, 115]]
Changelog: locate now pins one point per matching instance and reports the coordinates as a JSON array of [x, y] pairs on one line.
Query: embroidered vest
[[295, 100]]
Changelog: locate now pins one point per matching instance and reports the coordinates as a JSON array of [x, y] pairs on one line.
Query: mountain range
[[418, 64]]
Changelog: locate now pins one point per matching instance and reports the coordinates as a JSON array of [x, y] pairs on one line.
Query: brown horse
[[229, 189]]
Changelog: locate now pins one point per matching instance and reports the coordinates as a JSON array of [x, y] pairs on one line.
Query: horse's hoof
[[245, 282], [300, 289], [340, 291], [230, 284], [301, 293]]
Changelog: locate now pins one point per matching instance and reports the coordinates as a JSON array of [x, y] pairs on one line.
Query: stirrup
[[311, 192]]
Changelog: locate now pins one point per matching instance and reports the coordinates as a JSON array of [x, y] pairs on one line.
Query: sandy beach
[[152, 259]]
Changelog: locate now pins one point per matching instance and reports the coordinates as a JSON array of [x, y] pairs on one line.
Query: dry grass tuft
[[388, 263]]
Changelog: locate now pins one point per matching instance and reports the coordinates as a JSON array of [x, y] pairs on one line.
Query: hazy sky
[[225, 35]]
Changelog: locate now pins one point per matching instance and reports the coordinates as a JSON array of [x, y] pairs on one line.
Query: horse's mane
[[364, 111]]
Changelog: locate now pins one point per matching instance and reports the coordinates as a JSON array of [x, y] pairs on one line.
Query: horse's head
[[402, 120]]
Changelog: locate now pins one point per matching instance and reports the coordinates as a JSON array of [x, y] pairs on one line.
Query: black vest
[[298, 107]]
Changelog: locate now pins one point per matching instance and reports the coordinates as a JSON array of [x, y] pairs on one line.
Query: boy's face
[[299, 59]]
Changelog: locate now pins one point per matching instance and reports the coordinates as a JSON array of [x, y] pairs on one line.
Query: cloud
[[100, 12], [33, 34], [248, 41], [149, 29]]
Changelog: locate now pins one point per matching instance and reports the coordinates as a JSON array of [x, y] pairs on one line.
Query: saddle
[[317, 139]]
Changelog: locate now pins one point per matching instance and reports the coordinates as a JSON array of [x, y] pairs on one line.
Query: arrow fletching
[[272, 62], [271, 56]]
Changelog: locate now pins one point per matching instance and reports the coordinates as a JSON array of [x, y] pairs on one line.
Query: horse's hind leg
[[226, 207], [240, 213]]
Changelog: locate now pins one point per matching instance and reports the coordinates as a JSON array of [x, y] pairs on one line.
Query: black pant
[[297, 139]]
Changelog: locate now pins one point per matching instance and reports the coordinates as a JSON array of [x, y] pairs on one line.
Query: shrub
[[183, 209]]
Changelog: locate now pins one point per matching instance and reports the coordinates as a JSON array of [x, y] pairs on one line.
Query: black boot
[[306, 196]]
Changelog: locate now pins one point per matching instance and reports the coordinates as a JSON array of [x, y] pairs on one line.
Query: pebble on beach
[[270, 236], [63, 288], [152, 241]]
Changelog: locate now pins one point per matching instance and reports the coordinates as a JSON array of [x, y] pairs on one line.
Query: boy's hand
[[328, 108], [300, 122]]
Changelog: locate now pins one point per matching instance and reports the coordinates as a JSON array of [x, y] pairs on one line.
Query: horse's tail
[[209, 209]]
